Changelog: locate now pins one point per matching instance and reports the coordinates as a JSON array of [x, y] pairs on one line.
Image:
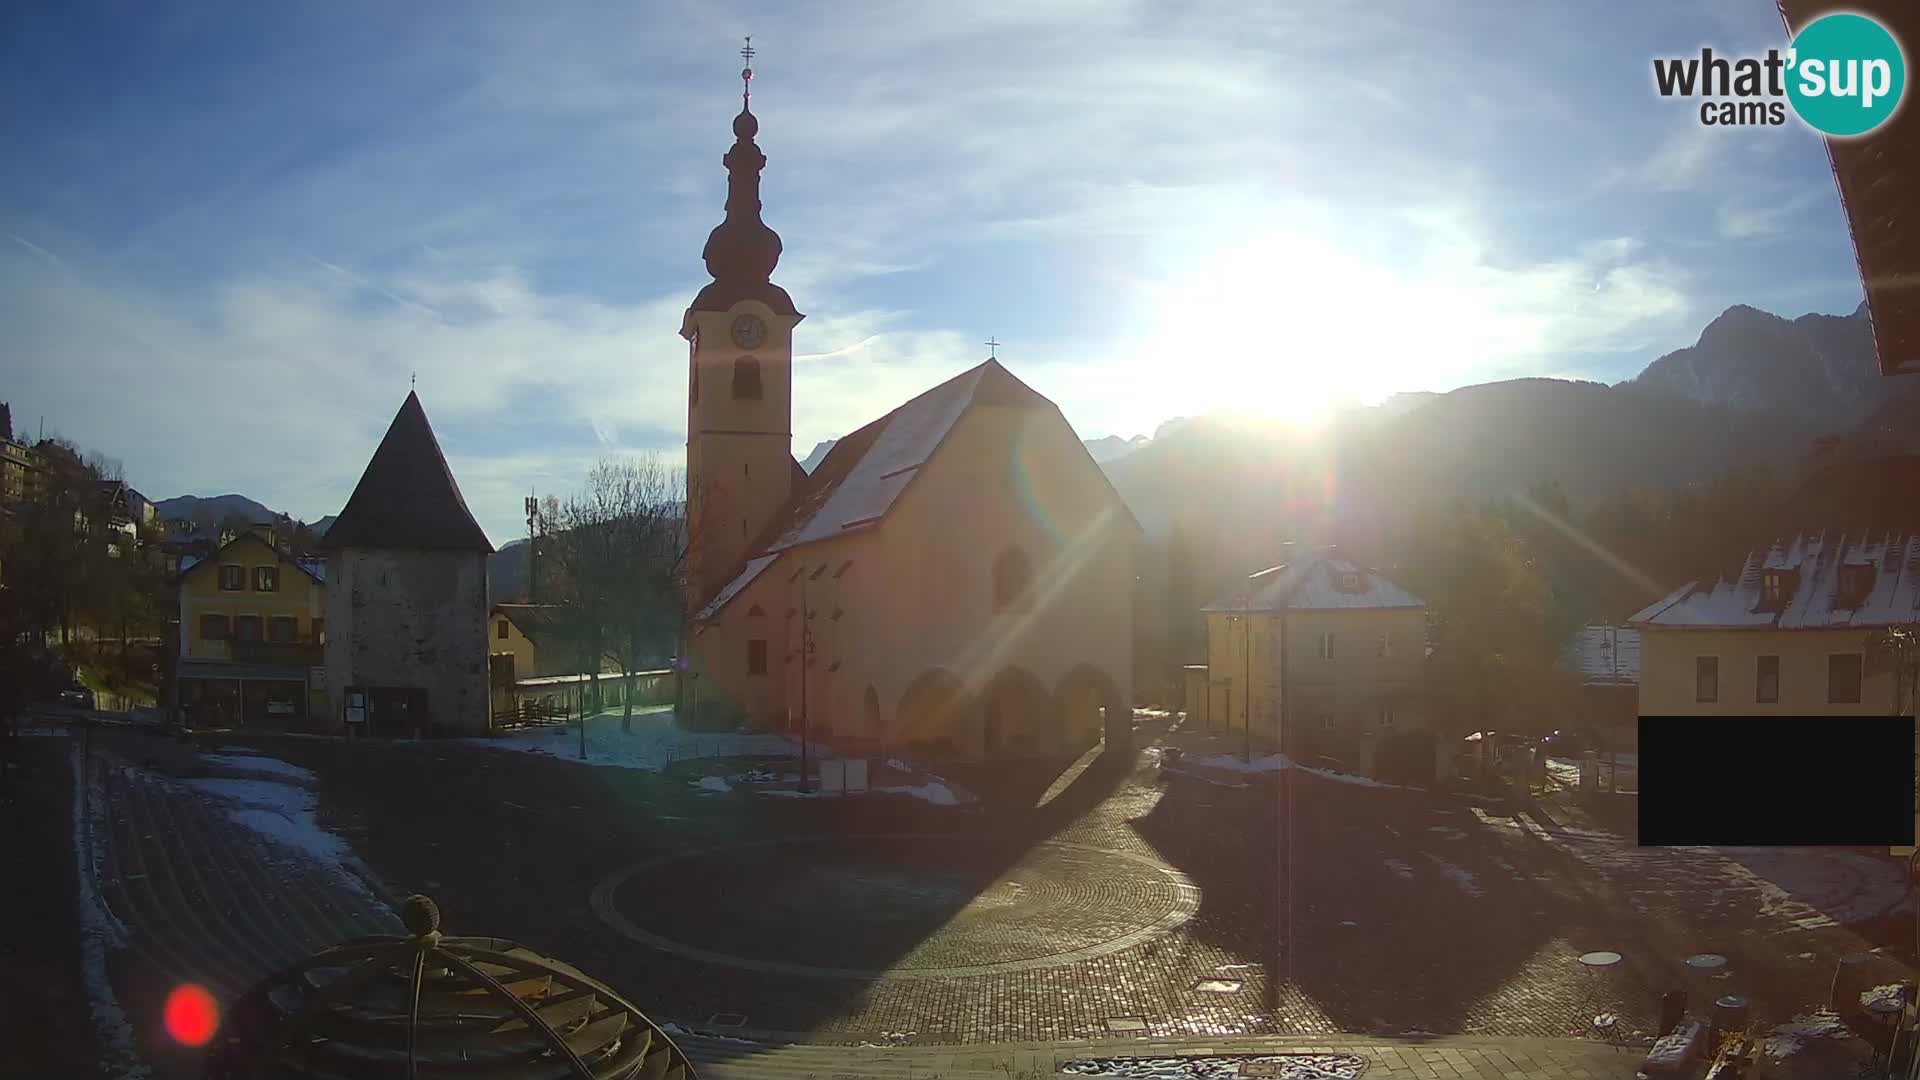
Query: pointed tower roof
[[742, 251], [407, 498]]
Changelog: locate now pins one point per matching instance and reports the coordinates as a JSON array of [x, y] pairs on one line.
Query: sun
[[1277, 327]]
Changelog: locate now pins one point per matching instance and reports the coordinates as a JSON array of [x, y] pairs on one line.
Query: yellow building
[[957, 575], [252, 620], [1789, 635], [1321, 652]]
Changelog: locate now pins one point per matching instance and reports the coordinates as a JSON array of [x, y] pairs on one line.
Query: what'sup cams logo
[[1843, 75]]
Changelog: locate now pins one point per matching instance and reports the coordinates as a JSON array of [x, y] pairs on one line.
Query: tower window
[[746, 378], [693, 385]]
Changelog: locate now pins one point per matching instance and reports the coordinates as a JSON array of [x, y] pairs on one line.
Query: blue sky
[[229, 233]]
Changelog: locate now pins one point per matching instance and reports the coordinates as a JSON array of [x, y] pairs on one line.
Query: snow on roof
[[736, 586], [1317, 583], [875, 469], [1889, 597], [187, 562], [1604, 656]]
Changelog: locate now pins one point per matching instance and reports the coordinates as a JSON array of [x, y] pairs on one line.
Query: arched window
[[746, 378], [1011, 576], [693, 386]]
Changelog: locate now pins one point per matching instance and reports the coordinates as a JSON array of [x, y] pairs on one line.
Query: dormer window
[[1855, 583], [1775, 588]]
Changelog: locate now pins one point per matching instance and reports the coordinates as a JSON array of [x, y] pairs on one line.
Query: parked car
[[79, 697]]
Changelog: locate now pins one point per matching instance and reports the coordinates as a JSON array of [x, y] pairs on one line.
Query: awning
[[218, 669]]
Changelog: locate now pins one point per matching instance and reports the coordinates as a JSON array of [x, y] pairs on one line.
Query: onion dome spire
[[742, 251]]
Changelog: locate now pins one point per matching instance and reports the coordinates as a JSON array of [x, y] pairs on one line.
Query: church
[[954, 579]]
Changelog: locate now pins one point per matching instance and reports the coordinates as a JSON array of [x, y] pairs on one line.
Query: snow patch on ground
[[1819, 1024], [1400, 869], [1233, 763], [242, 761], [933, 791], [100, 931], [712, 784], [285, 815], [1463, 879], [656, 742]]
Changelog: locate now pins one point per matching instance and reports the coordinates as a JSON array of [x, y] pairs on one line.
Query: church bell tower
[[739, 376]]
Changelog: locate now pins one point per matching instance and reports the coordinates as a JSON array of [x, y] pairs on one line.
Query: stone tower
[[407, 594], [740, 467]]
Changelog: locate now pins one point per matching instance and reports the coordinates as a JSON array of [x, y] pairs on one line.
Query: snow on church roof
[[863, 476], [736, 586], [1889, 597], [859, 479]]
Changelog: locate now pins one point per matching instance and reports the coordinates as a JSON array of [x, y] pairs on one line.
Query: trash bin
[[1729, 1017]]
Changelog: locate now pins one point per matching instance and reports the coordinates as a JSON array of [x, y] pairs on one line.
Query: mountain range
[[1755, 389]]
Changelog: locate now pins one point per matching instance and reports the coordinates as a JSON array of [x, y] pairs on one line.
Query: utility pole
[[533, 544]]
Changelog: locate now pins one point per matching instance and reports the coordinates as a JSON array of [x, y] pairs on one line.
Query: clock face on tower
[[749, 332]]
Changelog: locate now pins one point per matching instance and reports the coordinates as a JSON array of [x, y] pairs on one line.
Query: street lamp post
[[806, 660]]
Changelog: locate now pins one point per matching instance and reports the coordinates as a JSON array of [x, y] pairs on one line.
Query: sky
[[232, 233]]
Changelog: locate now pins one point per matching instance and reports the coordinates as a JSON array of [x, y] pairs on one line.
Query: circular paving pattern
[[916, 906]]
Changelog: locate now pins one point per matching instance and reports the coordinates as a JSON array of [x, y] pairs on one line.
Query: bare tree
[[617, 559]]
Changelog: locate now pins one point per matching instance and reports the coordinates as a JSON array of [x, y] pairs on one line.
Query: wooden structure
[[1877, 174], [421, 1004]]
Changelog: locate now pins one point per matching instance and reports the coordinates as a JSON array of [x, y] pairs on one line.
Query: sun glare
[[1292, 326]]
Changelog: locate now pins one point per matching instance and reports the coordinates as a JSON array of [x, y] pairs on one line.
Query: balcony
[[275, 653]]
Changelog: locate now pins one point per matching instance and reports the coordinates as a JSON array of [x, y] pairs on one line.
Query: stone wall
[[411, 619]]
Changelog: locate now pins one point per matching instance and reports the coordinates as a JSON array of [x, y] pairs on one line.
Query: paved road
[[1128, 904]]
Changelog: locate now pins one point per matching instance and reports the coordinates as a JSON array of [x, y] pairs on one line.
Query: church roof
[[863, 476], [407, 498]]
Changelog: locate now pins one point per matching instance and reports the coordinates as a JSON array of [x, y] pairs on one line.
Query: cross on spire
[[993, 349], [746, 72], [413, 380]]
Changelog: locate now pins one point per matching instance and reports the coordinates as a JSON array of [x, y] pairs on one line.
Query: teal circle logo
[[1845, 74]]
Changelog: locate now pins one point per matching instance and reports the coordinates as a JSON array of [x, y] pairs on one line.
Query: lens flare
[[191, 1015]]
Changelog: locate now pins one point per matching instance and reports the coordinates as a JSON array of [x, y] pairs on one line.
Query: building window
[[1386, 644], [233, 578], [1843, 679], [1766, 683], [213, 627], [746, 378], [1706, 678], [1326, 646], [284, 629], [757, 656], [693, 385], [246, 627], [1386, 718], [319, 631], [1327, 722], [500, 630], [1011, 576], [266, 579], [1350, 582]]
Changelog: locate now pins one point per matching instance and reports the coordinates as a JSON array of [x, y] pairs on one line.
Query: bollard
[[1673, 1009]]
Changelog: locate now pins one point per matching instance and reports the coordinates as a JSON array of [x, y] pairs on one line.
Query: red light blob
[[191, 1015]]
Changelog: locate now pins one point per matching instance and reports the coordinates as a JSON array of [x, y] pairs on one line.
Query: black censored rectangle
[[1787, 781]]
